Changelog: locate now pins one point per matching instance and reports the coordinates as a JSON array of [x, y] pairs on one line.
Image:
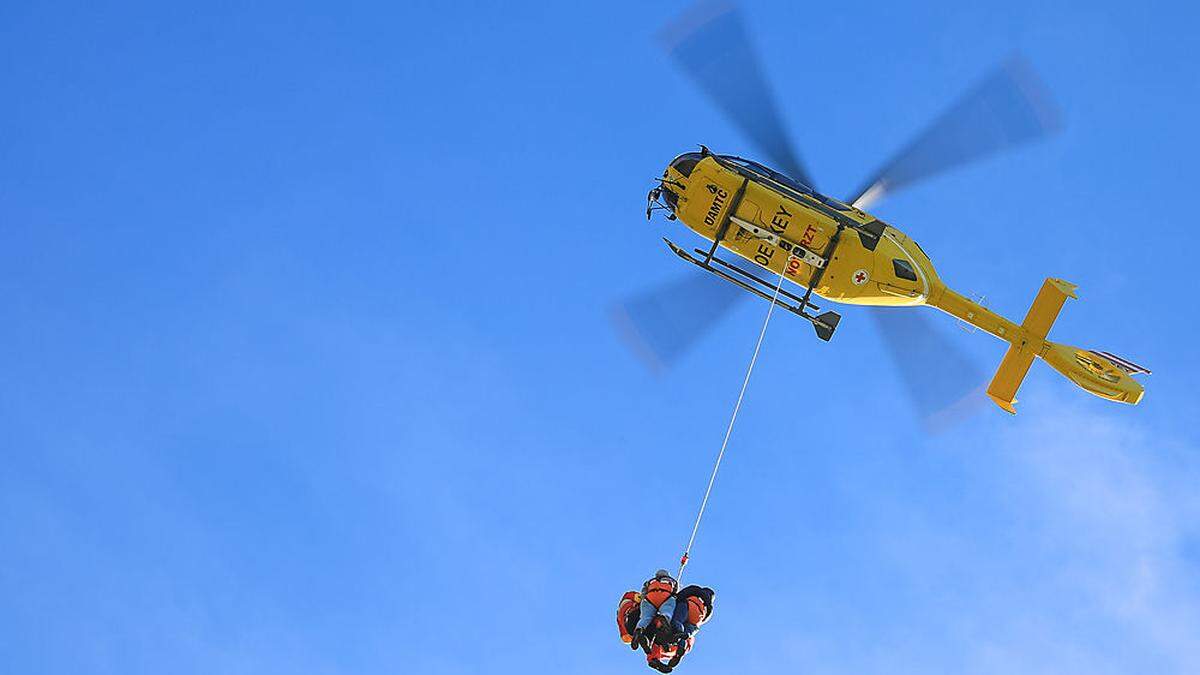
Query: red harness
[[658, 590]]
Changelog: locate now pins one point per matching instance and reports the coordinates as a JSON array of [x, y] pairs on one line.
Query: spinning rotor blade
[[662, 323], [944, 384], [710, 43], [1007, 108]]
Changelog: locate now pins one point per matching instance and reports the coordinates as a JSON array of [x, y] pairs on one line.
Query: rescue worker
[[665, 639], [693, 608], [658, 597]]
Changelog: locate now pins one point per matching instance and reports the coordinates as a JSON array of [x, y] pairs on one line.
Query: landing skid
[[825, 324]]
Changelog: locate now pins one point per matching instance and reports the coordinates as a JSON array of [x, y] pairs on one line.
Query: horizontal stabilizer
[[1018, 358], [1046, 306], [1008, 378]]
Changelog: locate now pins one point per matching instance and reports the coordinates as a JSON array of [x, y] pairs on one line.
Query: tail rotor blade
[[661, 324], [1009, 107], [711, 45], [944, 384]]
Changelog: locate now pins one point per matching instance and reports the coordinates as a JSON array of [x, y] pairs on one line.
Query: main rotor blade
[[944, 384], [1009, 107], [662, 323], [710, 43]]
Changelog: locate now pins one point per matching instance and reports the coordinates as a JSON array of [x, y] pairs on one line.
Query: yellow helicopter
[[837, 251]]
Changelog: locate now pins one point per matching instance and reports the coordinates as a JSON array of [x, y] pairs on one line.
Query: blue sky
[[306, 363]]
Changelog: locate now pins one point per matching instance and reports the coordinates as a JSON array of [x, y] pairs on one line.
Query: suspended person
[[662, 622], [658, 598], [693, 608]]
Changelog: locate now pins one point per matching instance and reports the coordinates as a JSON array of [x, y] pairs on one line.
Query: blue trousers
[[679, 620], [668, 610]]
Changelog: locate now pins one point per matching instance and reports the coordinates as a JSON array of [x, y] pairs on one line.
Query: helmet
[[661, 573]]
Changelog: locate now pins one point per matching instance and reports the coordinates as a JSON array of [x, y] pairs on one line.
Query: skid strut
[[825, 324]]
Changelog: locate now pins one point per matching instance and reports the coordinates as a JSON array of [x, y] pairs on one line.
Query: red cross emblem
[[859, 278]]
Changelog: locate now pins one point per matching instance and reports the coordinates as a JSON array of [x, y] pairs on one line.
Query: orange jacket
[[699, 601], [627, 605], [656, 591], [697, 611]]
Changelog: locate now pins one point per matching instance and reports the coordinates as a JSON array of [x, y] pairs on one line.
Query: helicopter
[[837, 251]]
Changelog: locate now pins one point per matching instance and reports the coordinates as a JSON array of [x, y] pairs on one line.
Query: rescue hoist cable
[[683, 561]]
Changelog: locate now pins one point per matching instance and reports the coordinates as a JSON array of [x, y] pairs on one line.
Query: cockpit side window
[[904, 270], [830, 201], [769, 173]]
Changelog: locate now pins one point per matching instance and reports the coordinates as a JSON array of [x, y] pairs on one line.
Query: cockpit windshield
[[686, 162]]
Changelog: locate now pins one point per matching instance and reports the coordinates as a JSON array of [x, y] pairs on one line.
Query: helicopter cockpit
[[664, 197]]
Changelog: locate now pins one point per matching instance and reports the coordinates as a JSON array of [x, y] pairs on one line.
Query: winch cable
[[683, 561]]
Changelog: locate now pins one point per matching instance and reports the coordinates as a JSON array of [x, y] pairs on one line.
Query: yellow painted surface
[[1003, 387], [713, 195]]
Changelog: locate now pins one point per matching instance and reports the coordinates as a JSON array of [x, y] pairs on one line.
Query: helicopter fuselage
[[772, 221], [846, 255]]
